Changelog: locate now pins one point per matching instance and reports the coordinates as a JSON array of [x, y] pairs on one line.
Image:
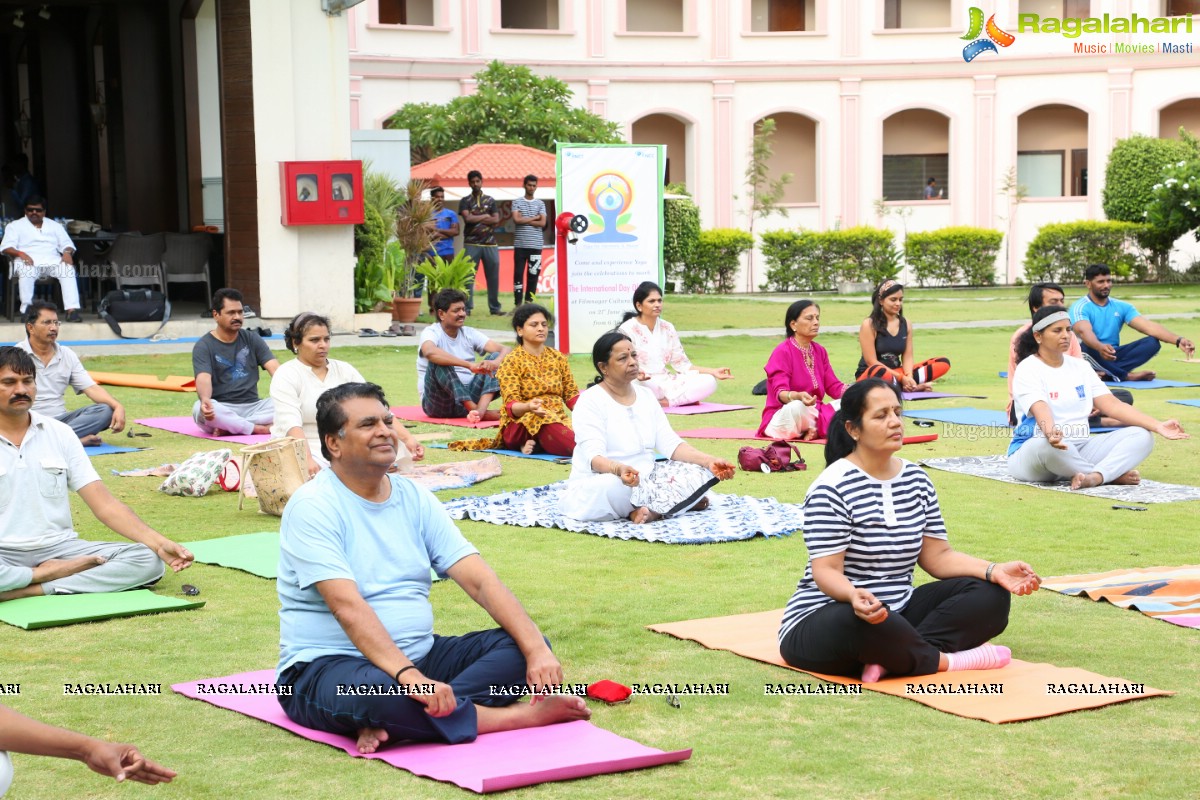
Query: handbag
[[135, 305], [277, 468], [197, 474], [775, 457]]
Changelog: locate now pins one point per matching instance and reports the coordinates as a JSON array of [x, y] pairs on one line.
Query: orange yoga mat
[[1026, 690], [171, 383]]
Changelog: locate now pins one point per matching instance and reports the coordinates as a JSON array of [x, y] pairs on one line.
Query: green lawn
[[593, 596]]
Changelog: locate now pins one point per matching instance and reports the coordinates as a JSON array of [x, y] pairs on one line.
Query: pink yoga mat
[[703, 408], [415, 414], [750, 433], [188, 427], [492, 763]]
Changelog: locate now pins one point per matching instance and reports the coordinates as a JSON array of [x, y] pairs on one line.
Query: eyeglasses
[[35, 211], [51, 323]]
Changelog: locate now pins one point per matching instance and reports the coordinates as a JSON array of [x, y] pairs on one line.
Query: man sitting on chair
[[226, 362], [40, 461], [357, 644], [57, 368], [41, 247]]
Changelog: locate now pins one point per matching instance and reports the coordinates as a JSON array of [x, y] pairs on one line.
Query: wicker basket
[[277, 469]]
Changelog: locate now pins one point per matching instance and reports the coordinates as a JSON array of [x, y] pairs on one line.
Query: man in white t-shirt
[[451, 383], [40, 460]]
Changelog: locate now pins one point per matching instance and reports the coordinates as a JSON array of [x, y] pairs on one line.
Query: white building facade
[[871, 97]]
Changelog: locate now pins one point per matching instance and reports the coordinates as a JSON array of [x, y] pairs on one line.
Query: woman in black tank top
[[886, 343]]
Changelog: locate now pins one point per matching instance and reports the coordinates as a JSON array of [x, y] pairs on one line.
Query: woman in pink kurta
[[799, 378]]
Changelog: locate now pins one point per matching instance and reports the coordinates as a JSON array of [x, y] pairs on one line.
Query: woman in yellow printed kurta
[[536, 390]]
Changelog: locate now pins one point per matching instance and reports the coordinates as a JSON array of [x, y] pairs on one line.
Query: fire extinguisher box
[[321, 192]]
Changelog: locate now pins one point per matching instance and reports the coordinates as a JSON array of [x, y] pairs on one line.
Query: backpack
[[775, 457], [135, 305]]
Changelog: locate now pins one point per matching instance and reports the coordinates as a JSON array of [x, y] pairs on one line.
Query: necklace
[[809, 363]]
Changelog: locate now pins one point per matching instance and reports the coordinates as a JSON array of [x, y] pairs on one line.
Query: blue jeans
[[1129, 357], [471, 664]]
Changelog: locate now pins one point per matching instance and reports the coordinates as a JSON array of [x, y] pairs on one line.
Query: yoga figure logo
[[995, 36], [610, 195]]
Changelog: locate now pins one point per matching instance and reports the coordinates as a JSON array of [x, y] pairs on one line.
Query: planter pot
[[405, 309]]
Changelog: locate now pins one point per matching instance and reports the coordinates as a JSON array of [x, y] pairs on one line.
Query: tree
[[1174, 207], [1135, 166], [765, 191], [511, 105]]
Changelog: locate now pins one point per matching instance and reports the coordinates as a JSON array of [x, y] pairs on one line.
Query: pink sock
[[986, 656], [872, 673]]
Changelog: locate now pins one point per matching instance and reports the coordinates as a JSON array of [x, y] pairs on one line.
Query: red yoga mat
[[415, 414]]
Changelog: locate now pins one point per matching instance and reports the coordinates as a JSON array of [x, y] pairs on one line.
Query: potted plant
[[373, 288], [457, 273], [414, 245]]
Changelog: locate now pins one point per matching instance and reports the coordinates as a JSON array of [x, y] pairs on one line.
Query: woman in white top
[[618, 428], [1053, 395], [657, 345], [296, 385]]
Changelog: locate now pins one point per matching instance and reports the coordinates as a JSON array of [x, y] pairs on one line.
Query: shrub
[[783, 252], [811, 261], [717, 259], [681, 232], [861, 254], [1061, 251], [954, 255]]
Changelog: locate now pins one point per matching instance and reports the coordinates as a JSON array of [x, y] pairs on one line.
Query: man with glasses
[[40, 247], [57, 368]]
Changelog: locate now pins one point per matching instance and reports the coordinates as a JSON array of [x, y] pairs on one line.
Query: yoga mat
[[704, 408], [751, 433], [1157, 383], [1025, 695], [492, 763], [415, 414], [513, 453], [728, 518], [908, 396], [187, 427], [1192, 403], [995, 468], [50, 611], [1195, 361], [1171, 594], [171, 383], [256, 553], [106, 449], [961, 416]]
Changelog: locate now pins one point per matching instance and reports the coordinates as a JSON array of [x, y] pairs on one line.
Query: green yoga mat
[[256, 553], [49, 611]]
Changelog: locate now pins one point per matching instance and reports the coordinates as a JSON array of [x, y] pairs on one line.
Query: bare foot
[[219, 432], [640, 516], [90, 441], [55, 568], [873, 673], [923, 387], [527, 448], [474, 416], [1144, 375], [547, 711], [703, 504], [261, 430], [808, 435], [664, 403], [369, 739], [1086, 480], [1131, 478]]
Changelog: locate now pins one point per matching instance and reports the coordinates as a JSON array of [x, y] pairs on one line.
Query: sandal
[[389, 333], [365, 332]]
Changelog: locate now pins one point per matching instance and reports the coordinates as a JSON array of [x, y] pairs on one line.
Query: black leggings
[[941, 617]]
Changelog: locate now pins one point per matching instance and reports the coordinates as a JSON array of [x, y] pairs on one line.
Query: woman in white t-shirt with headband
[[1053, 395]]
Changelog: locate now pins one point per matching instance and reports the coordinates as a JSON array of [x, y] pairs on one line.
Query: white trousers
[[792, 420], [681, 388], [1110, 454], [66, 279]]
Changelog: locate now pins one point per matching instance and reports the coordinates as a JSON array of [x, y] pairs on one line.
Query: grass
[[593, 596]]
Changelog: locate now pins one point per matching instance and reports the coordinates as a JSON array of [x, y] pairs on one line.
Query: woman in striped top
[[869, 518]]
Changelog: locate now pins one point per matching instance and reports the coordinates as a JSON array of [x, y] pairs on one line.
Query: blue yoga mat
[[515, 454], [1192, 403], [108, 449], [961, 416], [1157, 383]]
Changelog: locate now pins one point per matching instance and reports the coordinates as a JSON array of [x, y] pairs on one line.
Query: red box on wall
[[321, 192]]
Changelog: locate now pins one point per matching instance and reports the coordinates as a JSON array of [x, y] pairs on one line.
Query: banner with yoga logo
[[618, 189]]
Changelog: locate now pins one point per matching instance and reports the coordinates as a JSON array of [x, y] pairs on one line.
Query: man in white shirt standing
[[40, 460], [40, 247], [57, 368]]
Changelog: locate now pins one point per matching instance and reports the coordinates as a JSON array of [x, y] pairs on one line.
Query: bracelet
[[1177, 341], [987, 576], [402, 670]]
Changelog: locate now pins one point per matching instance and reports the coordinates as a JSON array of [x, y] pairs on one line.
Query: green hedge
[[954, 256], [812, 261], [1061, 251], [681, 231], [717, 259]]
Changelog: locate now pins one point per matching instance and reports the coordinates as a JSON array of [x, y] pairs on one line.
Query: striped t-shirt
[[529, 236], [878, 525]]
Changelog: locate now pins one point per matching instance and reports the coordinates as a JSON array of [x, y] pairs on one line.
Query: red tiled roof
[[501, 165]]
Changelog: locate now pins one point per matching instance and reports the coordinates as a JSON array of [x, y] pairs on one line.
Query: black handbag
[[135, 305]]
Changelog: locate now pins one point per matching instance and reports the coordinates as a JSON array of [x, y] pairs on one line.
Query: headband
[[883, 287], [1046, 322]]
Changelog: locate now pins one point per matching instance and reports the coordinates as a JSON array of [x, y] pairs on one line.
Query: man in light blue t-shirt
[[356, 640], [1097, 318]]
